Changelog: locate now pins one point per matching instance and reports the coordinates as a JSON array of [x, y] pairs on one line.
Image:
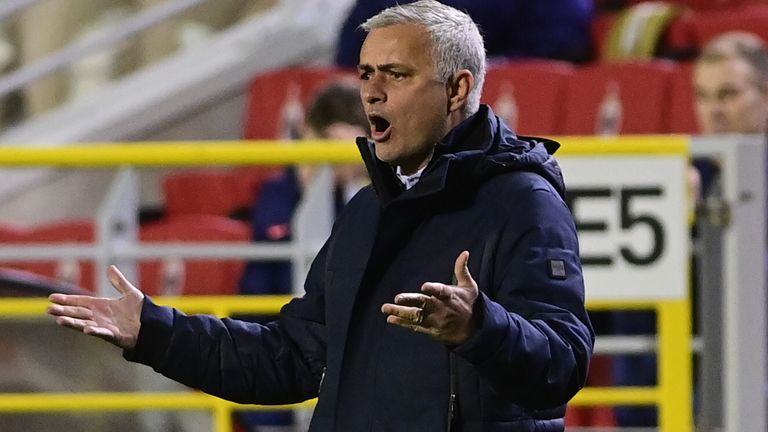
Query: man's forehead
[[402, 46]]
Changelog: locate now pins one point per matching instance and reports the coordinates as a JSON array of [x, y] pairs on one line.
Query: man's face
[[405, 102], [729, 98]]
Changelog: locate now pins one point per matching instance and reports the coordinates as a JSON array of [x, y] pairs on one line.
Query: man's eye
[[727, 94], [365, 76], [398, 75]]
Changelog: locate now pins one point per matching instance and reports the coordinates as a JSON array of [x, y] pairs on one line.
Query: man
[[731, 85], [463, 242]]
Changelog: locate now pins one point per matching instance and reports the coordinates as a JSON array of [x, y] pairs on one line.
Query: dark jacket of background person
[[556, 29], [272, 216], [271, 220], [485, 191]]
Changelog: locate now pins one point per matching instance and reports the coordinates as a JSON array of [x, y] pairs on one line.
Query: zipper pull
[[322, 378]]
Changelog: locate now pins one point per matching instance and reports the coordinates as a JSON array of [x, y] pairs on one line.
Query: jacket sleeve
[[277, 363], [534, 340]]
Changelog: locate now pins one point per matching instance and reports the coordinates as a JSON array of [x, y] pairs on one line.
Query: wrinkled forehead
[[732, 71], [398, 43]]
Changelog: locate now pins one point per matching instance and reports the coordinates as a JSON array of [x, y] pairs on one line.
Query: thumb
[[120, 283], [461, 272]]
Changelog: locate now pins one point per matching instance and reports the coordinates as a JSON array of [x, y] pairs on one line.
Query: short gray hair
[[456, 40]]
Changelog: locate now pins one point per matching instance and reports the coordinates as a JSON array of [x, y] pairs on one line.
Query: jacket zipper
[[454, 378], [322, 378]]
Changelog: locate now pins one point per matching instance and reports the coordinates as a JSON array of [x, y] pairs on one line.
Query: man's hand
[[114, 320], [441, 311]]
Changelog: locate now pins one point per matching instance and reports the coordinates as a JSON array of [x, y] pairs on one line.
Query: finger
[[74, 323], [461, 271], [71, 311], [411, 314], [71, 300], [119, 281], [100, 332], [411, 299], [439, 291], [404, 323]]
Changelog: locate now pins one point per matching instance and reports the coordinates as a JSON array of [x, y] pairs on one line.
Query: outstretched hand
[[115, 320], [441, 311]]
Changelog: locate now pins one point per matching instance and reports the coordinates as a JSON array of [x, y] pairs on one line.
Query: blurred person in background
[[730, 81], [554, 29], [450, 293], [335, 113], [731, 85]]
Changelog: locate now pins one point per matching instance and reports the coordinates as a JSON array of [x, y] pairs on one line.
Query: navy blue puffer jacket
[[486, 191]]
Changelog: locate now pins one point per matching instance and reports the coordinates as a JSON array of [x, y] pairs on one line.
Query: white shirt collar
[[408, 180]]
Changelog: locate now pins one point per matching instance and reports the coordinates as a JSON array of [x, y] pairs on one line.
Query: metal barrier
[[673, 394]]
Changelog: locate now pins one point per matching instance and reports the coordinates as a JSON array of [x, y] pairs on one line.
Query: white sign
[[631, 214]]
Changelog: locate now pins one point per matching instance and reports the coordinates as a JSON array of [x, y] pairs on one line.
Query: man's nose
[[373, 91]]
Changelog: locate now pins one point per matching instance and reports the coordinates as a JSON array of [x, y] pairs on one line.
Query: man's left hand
[[441, 311]]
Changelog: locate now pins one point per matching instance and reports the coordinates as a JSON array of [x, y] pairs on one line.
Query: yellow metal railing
[[673, 394]]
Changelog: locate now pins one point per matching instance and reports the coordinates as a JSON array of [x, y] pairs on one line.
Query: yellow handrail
[[672, 394], [228, 153]]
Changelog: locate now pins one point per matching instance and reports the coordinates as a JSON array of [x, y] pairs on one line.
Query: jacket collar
[[476, 149]]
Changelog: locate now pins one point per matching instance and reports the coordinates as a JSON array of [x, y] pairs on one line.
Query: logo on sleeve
[[556, 268]]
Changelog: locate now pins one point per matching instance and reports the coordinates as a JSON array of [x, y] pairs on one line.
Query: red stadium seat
[[78, 231], [695, 29], [703, 5], [202, 191], [269, 94], [198, 277], [751, 18], [214, 192], [682, 117], [528, 94], [10, 233], [642, 91]]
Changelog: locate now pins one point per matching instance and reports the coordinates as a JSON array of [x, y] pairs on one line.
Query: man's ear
[[458, 90]]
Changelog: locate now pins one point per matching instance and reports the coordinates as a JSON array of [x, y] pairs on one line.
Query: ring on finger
[[419, 316]]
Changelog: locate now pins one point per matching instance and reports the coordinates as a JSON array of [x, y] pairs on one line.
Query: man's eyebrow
[[387, 67]]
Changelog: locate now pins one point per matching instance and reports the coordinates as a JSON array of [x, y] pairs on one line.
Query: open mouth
[[380, 127]]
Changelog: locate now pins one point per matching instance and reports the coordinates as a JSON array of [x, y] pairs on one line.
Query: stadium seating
[[270, 95], [528, 94], [682, 117], [74, 231], [211, 277], [692, 30], [642, 88], [11, 233]]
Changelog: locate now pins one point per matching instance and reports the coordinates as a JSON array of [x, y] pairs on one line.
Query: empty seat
[[277, 100], [751, 18], [214, 192], [192, 277], [200, 191], [11, 233], [66, 269], [682, 117], [689, 33], [528, 95], [619, 98]]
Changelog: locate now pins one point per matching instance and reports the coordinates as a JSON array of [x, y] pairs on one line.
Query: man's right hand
[[114, 320]]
